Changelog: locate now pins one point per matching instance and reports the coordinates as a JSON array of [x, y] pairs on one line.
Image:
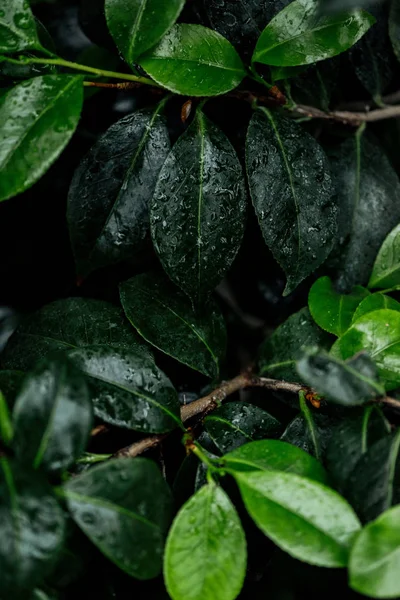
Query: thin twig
[[122, 85]]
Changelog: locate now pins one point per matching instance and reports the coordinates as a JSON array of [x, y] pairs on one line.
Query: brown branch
[[124, 85], [347, 117]]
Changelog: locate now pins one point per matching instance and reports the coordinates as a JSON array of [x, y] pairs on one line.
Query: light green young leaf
[[386, 270], [375, 302]]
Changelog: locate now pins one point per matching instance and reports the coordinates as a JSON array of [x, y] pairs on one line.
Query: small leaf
[[17, 27], [394, 26], [52, 416], [205, 555], [333, 311], [39, 114], [375, 557], [136, 26], [128, 390], [292, 194], [32, 525], [164, 316], [304, 518], [110, 192], [197, 213], [236, 423], [194, 61], [375, 302], [125, 508], [298, 36], [386, 270]]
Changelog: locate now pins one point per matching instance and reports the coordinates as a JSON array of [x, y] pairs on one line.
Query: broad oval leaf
[[110, 192], [386, 270], [394, 26], [195, 61], [37, 120], [333, 311], [17, 27], [299, 36], [303, 517], [125, 508], [136, 26], [205, 555], [52, 416], [375, 302], [377, 333], [32, 525], [292, 194], [197, 214], [128, 390], [164, 316], [375, 557]]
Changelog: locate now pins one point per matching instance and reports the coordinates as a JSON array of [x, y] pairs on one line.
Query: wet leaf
[[195, 61], [17, 27], [205, 555], [290, 185], [197, 214], [386, 270], [394, 26], [164, 316], [375, 302]]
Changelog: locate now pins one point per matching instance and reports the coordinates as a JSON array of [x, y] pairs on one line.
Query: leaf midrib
[[197, 61], [135, 28]]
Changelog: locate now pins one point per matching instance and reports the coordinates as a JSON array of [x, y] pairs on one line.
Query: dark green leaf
[[127, 389], [291, 189], [136, 26], [110, 192], [279, 352], [52, 416], [394, 26], [37, 120], [298, 36], [378, 333], [205, 555], [375, 557], [197, 214], [303, 517], [194, 61], [32, 526], [10, 384], [386, 270], [333, 311], [17, 27], [6, 428], [236, 423], [124, 507], [375, 302], [164, 316]]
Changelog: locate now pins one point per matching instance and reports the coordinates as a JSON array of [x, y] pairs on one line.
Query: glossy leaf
[[17, 27], [375, 557], [333, 311], [127, 389], [195, 61], [197, 213], [308, 520], [32, 525], [205, 555], [279, 352], [386, 270], [394, 26], [164, 316], [290, 186], [136, 26], [52, 416], [111, 189], [37, 120], [125, 508], [298, 36], [377, 333], [375, 302], [236, 423]]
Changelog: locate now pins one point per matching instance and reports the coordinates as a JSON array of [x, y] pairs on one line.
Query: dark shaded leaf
[[10, 384], [17, 27], [386, 270], [375, 302], [6, 428], [394, 26]]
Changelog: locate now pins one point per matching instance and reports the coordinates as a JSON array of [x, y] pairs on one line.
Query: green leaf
[[10, 384], [194, 61], [205, 555], [17, 27], [377, 333], [37, 120], [349, 383], [375, 557], [298, 35], [386, 270], [110, 192], [197, 214], [394, 26], [164, 316], [275, 455], [52, 416], [236, 423], [136, 26], [290, 185], [333, 311], [6, 428], [32, 525], [279, 352], [375, 302], [67, 324], [125, 508], [128, 390], [304, 518]]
